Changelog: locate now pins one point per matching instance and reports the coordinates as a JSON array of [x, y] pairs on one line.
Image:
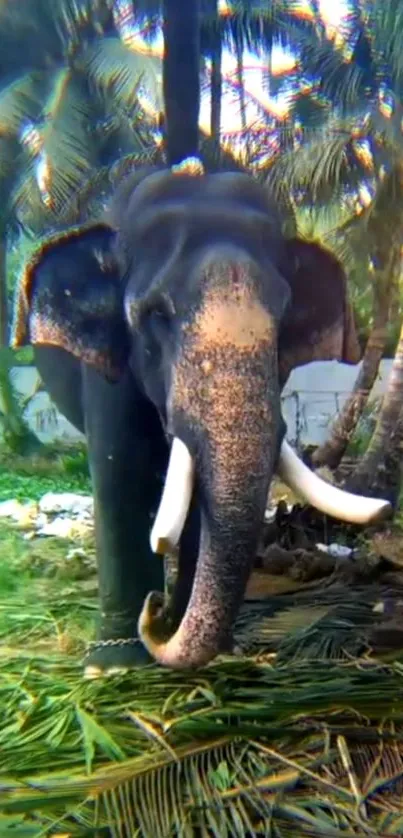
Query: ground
[[314, 707]]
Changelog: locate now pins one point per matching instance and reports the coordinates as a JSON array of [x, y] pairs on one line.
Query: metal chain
[[101, 644]]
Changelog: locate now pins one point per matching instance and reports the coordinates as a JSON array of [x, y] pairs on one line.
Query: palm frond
[[20, 102], [384, 22], [307, 108], [8, 156], [54, 29], [64, 154], [338, 157], [117, 73], [241, 746]]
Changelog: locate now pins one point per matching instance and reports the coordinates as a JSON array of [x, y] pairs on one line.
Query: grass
[[286, 745], [29, 478]]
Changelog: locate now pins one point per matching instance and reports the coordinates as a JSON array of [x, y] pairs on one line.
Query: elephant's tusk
[[355, 509], [175, 501]]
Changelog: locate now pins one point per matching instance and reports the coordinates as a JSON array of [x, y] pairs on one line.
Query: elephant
[[165, 332]]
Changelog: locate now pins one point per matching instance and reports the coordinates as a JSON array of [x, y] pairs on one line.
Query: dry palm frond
[[308, 742], [228, 751]]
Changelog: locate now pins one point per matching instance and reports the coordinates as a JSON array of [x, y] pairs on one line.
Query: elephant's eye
[[157, 319], [160, 313], [161, 309]]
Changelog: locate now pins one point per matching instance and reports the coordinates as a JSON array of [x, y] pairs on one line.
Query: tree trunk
[[240, 80], [216, 82], [16, 434], [3, 290], [379, 472], [331, 452], [239, 48], [181, 87]]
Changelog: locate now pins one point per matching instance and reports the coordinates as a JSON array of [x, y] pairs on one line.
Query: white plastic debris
[[53, 503], [10, 509], [63, 528], [338, 551], [64, 515], [23, 514]]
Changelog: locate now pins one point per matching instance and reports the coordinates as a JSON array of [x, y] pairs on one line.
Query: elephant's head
[[194, 286]]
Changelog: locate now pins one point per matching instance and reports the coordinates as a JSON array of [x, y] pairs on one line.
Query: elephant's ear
[[70, 296], [319, 323]]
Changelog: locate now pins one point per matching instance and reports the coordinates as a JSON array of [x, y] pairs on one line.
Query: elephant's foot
[[117, 649], [111, 657]]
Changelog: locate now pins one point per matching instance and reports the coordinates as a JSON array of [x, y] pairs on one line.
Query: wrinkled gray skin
[[192, 286]]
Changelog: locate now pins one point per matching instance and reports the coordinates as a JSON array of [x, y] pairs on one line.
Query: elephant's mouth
[[178, 489]]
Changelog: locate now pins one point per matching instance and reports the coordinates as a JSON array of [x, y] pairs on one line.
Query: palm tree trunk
[[379, 472], [240, 81], [3, 290], [16, 434], [241, 87], [333, 449], [216, 82]]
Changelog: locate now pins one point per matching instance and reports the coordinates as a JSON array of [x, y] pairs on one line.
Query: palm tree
[[349, 149], [64, 117], [69, 105], [380, 241], [379, 472]]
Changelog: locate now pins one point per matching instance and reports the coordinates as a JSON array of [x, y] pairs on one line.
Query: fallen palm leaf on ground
[[242, 748], [301, 736]]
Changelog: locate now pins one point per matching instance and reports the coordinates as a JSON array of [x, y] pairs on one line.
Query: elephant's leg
[[127, 457]]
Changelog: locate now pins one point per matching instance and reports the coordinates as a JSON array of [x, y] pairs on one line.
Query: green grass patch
[[46, 599], [57, 469]]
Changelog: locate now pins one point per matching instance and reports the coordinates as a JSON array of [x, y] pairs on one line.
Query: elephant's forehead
[[231, 313]]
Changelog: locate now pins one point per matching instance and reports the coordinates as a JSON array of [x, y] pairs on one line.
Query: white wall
[[312, 396], [316, 392]]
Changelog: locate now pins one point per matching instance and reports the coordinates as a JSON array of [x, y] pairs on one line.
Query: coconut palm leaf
[[63, 156], [8, 157], [335, 159], [242, 749], [117, 73], [20, 101], [67, 152], [384, 26], [54, 25]]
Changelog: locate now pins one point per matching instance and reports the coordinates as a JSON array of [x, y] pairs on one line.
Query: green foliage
[[15, 431], [247, 745], [75, 465], [364, 430], [28, 478], [24, 357]]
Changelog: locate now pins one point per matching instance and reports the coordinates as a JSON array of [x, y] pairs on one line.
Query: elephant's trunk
[[225, 408], [233, 504]]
